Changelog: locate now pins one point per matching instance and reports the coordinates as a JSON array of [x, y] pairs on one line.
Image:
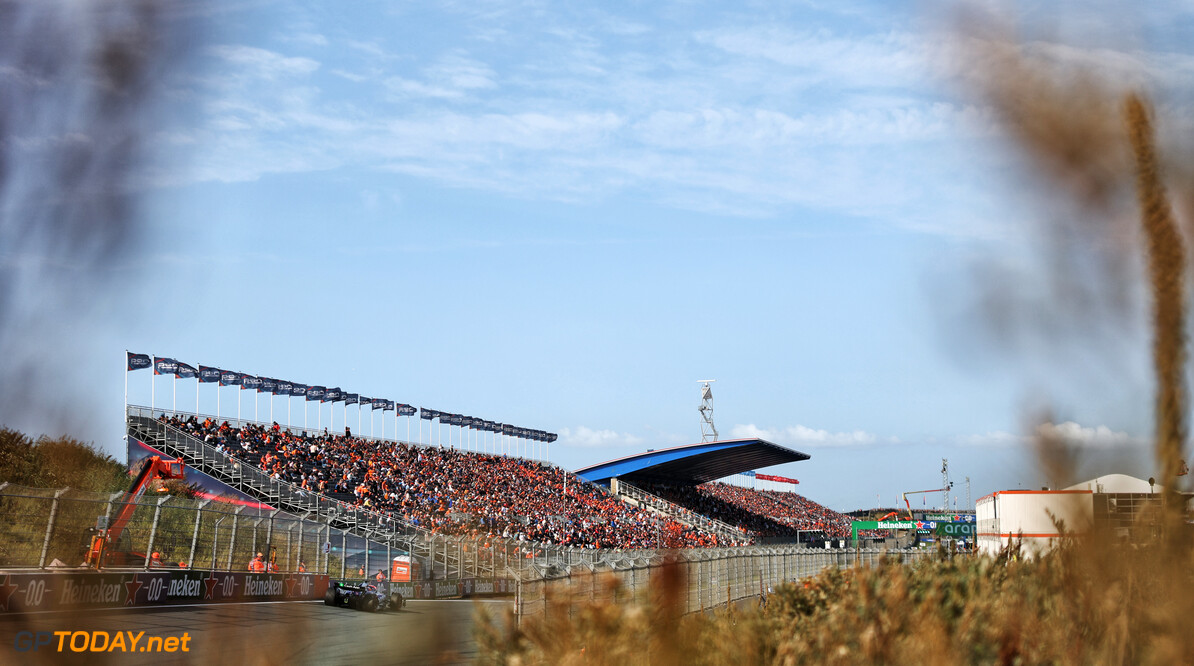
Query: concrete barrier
[[22, 592]]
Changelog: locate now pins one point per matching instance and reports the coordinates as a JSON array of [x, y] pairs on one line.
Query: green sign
[[955, 530], [882, 525]]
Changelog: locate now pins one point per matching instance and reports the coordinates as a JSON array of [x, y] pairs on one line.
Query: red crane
[[919, 492], [154, 469]]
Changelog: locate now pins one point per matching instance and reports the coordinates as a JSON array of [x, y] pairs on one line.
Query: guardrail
[[710, 577], [681, 514]]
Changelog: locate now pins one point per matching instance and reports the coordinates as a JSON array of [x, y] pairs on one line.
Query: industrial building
[[1114, 501]]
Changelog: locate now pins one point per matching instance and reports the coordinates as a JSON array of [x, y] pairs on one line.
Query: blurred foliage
[[58, 462], [1094, 600]]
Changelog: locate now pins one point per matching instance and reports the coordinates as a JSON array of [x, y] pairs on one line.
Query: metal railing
[[711, 577], [52, 528], [681, 514]]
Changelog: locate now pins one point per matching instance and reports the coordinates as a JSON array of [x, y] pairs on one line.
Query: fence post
[[153, 530], [232, 539], [195, 533], [45, 544], [269, 535], [343, 554], [327, 554]]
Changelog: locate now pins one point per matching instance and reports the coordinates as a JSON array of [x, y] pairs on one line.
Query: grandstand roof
[[693, 463]]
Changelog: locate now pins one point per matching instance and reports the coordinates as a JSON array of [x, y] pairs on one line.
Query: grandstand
[[414, 495]]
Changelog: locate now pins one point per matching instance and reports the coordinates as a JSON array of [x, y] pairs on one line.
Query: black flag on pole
[[138, 361]]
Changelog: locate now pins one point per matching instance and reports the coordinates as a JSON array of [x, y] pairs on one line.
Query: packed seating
[[450, 491], [762, 513]]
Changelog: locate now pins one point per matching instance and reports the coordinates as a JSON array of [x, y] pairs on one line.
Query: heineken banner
[[45, 591]]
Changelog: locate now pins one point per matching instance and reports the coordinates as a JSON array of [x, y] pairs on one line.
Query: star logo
[[6, 591], [290, 583], [133, 586], [209, 585]]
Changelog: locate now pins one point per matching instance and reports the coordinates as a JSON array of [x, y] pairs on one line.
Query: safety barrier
[[710, 577], [22, 592]]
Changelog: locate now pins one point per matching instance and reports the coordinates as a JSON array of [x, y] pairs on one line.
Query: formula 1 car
[[369, 596]]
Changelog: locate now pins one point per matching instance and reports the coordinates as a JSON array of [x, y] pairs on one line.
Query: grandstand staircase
[[646, 500], [436, 551]]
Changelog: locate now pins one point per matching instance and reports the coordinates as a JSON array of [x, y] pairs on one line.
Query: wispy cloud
[[799, 435], [735, 115], [1069, 432], [585, 437], [263, 63]]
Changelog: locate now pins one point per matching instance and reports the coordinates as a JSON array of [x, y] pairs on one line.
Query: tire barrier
[[51, 591]]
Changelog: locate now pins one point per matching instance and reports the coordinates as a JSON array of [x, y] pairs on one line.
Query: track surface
[[425, 632]]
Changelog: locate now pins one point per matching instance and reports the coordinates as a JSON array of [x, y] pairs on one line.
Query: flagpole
[[153, 383], [126, 387]]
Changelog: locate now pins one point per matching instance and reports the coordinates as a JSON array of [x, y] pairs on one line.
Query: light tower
[[708, 430], [945, 484]]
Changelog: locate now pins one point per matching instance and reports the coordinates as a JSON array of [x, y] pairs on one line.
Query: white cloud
[[1083, 436], [1073, 434], [585, 437], [263, 63], [799, 435]]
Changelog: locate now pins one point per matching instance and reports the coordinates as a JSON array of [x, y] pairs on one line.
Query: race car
[[370, 596]]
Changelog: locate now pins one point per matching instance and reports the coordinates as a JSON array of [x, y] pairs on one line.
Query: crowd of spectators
[[449, 491], [762, 513]]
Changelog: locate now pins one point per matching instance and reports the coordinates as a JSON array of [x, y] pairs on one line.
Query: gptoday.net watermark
[[99, 641]]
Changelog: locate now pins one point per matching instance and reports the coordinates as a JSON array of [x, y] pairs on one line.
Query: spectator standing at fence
[[257, 564]]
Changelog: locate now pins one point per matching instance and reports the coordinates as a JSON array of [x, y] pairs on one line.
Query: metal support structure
[[232, 540], [153, 531], [945, 484], [269, 535], [45, 544], [195, 533], [343, 554], [708, 430]]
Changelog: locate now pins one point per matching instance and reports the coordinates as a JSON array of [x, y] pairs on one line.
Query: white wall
[[1029, 515]]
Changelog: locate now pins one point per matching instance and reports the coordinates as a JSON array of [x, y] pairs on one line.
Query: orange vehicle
[[100, 552]]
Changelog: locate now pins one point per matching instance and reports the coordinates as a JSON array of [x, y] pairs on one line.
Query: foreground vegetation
[[60, 462], [1091, 602]]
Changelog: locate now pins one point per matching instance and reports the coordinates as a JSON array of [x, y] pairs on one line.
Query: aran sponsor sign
[[956, 530]]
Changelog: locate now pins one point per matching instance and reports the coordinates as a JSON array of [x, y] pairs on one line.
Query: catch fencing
[[701, 579], [52, 528]]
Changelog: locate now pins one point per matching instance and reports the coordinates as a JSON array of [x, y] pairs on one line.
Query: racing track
[[269, 633]]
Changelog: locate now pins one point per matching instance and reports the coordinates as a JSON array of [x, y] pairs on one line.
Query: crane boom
[[920, 492], [155, 468]]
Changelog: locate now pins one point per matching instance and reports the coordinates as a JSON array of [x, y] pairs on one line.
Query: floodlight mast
[[708, 430]]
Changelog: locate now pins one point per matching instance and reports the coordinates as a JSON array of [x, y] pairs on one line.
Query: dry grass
[[1092, 602]]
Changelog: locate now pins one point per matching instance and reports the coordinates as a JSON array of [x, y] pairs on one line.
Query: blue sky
[[561, 216]]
